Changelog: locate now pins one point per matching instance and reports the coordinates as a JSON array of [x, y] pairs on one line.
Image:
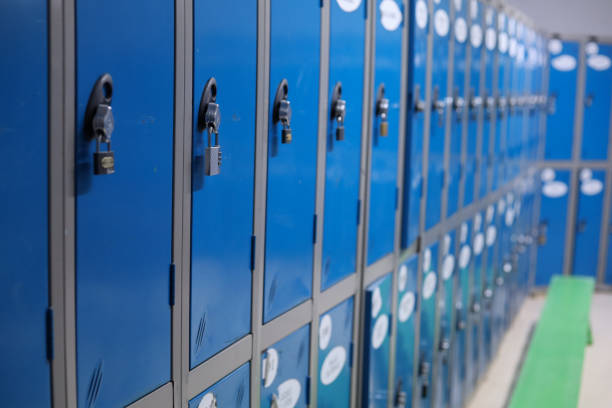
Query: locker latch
[[475, 307], [438, 105], [401, 398], [458, 102], [551, 103], [424, 369], [338, 110], [419, 105], [499, 281], [209, 119], [382, 111], [490, 106], [461, 324], [100, 123], [588, 100], [282, 111]]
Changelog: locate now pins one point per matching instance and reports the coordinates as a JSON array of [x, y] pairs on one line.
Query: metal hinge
[[171, 297], [253, 247], [49, 332], [314, 229]]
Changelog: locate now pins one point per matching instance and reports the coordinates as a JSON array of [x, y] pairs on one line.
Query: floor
[[596, 389]]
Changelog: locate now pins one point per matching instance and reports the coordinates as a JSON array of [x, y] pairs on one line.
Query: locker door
[[223, 203], [24, 191], [445, 328], [608, 272], [490, 41], [501, 103], [475, 305], [499, 291], [406, 321], [342, 206], [294, 78], [598, 95], [488, 287], [385, 131], [415, 122], [376, 343], [588, 222], [231, 391], [284, 379], [462, 297], [474, 103], [520, 90], [124, 220], [335, 356], [562, 83], [427, 332], [437, 131], [460, 33]]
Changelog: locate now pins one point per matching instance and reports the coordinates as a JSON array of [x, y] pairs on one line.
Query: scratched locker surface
[[123, 315], [231, 391], [24, 220]]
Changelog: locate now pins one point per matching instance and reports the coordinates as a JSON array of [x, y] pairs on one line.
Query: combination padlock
[[282, 111], [209, 119], [100, 123], [382, 111], [338, 110]]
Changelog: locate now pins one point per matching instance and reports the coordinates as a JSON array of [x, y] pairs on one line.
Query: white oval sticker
[[512, 26], [420, 14], [548, 174], [512, 49], [501, 206], [269, 367], [429, 285], [376, 302], [490, 39], [332, 365], [476, 35], [490, 213], [460, 30], [473, 9], [390, 15], [477, 222], [289, 393], [564, 63], [446, 243], [491, 235], [208, 401], [478, 243], [402, 279], [406, 306], [448, 266], [325, 331], [507, 267], [586, 174], [427, 260], [464, 256], [591, 187], [381, 328], [441, 23], [501, 21], [520, 53], [555, 46], [503, 42], [509, 217], [464, 232], [458, 4], [349, 5], [554, 189], [599, 62], [591, 48]]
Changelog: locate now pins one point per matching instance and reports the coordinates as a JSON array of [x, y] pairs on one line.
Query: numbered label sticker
[[289, 393], [381, 328], [349, 5], [402, 278], [554, 189], [208, 401], [476, 36], [464, 256], [460, 30], [376, 302], [448, 266], [564, 63], [269, 367], [325, 332], [332, 365], [406, 306], [420, 14], [599, 62], [441, 23], [429, 285], [490, 39], [390, 15]]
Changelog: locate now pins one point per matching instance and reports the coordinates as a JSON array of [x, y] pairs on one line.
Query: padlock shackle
[[209, 94], [282, 93], [101, 94]]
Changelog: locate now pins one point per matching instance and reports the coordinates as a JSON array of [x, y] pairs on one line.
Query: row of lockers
[[398, 118]]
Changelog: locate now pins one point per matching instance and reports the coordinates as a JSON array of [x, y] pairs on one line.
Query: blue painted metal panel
[[285, 371], [458, 113], [553, 219], [490, 40], [231, 391], [500, 92], [413, 169], [294, 56], [335, 356], [462, 299], [562, 83], [23, 186], [383, 172], [377, 328], [598, 96], [511, 130], [488, 287], [437, 131], [588, 222], [475, 305], [499, 290], [608, 272], [406, 325], [475, 109], [427, 343], [123, 316], [445, 329], [347, 31], [221, 267]]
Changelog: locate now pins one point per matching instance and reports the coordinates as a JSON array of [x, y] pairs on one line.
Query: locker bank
[[297, 203]]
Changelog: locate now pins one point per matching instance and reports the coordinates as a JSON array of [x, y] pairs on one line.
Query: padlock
[[103, 124], [104, 162], [382, 111], [209, 119], [338, 110], [281, 111], [212, 157]]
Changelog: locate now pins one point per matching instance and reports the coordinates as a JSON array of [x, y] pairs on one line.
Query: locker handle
[[581, 226], [338, 110], [419, 105], [282, 111], [209, 120], [100, 123], [382, 111], [588, 100]]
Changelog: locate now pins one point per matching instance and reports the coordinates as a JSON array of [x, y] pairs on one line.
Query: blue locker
[[607, 279], [552, 225], [292, 154], [460, 32], [231, 391], [445, 322], [415, 122], [520, 90], [406, 325], [347, 31], [437, 131], [427, 346], [513, 131], [598, 96], [24, 219], [475, 305], [499, 291], [562, 83], [588, 222], [501, 90], [490, 42], [123, 313], [488, 287], [377, 328], [462, 298], [475, 103], [385, 130], [221, 267], [335, 356], [284, 378]]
